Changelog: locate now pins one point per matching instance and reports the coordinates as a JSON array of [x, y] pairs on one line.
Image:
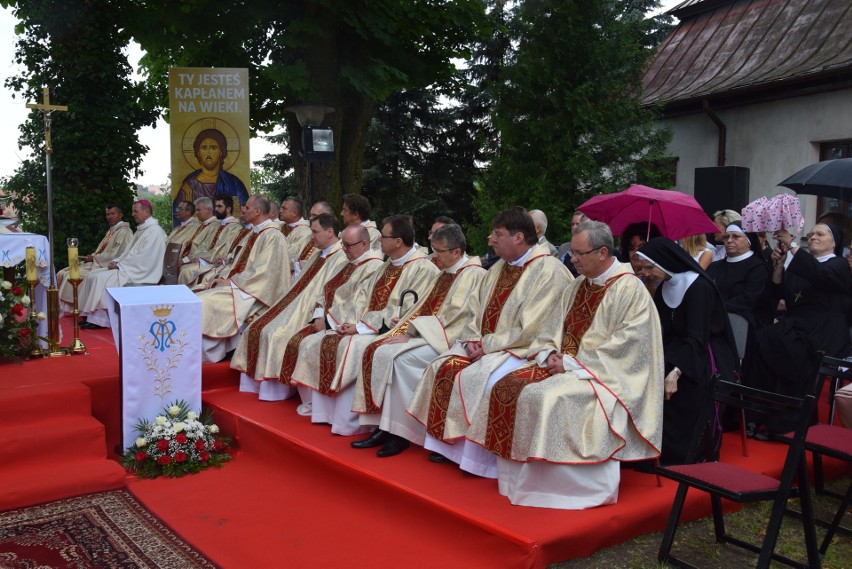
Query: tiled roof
[[734, 46]]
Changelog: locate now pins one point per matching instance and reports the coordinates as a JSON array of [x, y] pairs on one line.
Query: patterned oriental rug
[[108, 529]]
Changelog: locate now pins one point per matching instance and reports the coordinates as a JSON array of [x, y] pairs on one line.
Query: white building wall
[[773, 140]]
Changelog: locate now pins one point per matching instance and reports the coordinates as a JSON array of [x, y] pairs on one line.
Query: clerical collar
[[260, 227], [328, 249], [148, 222], [459, 264], [824, 258], [227, 220], [363, 257], [739, 258], [295, 223], [522, 260], [116, 225], [541, 240], [404, 259], [601, 279]]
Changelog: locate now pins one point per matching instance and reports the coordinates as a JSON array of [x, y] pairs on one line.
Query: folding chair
[[829, 440], [741, 485]]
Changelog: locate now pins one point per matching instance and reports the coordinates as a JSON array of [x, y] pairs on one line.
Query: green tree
[[347, 55], [567, 109], [75, 48]]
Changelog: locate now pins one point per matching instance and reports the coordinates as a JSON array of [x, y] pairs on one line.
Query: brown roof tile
[[738, 45]]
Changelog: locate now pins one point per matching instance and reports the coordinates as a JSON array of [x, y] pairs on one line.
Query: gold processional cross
[[46, 109]]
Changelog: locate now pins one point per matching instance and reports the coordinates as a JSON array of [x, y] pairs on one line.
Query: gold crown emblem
[[163, 310]]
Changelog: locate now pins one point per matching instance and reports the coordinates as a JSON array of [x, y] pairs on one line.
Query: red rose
[[180, 456], [141, 455], [164, 460], [180, 438], [199, 445], [162, 445], [205, 456], [24, 332], [18, 309], [17, 291], [218, 446]]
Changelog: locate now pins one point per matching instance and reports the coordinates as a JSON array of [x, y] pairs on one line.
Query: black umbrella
[[830, 178]]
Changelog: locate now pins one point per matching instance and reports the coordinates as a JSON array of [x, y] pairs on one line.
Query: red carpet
[[298, 496]]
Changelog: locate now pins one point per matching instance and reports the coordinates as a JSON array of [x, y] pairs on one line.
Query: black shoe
[[378, 438], [439, 458], [394, 445], [90, 326]]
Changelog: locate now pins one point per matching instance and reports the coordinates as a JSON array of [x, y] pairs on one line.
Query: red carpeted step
[[30, 403], [25, 485], [52, 440]]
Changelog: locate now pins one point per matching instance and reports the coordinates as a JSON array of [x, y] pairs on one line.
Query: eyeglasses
[[436, 250], [349, 245], [389, 237], [579, 254]]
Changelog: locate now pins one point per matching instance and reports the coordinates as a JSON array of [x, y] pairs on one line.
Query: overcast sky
[[13, 112]]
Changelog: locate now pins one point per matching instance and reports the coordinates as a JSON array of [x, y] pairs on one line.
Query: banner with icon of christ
[[157, 331], [209, 125]]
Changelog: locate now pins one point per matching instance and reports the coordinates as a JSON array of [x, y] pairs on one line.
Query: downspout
[[723, 131]]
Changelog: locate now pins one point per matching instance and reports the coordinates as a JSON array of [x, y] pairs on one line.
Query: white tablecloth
[[157, 331], [13, 250]]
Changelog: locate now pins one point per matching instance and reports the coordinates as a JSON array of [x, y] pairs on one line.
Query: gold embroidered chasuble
[[378, 302], [184, 232], [339, 290], [528, 319], [113, 245], [297, 237], [201, 238], [436, 320], [216, 247], [257, 275], [261, 349], [239, 243], [614, 331]]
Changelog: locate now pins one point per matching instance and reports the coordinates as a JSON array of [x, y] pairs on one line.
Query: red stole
[[291, 353], [258, 325], [188, 245], [243, 232], [328, 349], [430, 307], [445, 377], [503, 401], [244, 255]]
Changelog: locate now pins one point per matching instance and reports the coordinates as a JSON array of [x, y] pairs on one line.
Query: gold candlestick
[[35, 348], [76, 346], [53, 323]]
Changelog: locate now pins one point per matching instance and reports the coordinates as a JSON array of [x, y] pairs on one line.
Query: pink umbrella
[[781, 212], [675, 214]]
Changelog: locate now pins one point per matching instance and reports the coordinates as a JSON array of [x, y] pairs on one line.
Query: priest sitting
[[517, 317], [329, 363], [260, 352], [393, 363], [113, 245], [252, 283], [140, 264], [560, 425]]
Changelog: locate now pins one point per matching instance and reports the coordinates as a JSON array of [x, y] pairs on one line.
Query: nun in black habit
[[741, 276], [816, 287], [697, 341]]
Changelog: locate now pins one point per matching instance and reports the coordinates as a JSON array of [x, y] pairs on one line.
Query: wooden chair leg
[[671, 526]]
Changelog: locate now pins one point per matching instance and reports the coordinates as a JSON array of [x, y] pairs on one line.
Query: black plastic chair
[[722, 480]]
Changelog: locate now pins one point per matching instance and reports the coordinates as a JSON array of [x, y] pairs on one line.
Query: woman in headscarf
[[697, 341], [816, 287]]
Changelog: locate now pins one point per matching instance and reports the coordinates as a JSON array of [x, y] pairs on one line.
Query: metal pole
[[50, 216]]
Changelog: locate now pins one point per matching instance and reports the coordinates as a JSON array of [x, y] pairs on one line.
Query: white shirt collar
[[522, 260], [258, 228], [363, 257], [227, 220], [459, 264], [402, 260], [825, 258], [739, 258], [601, 279], [295, 223], [328, 249], [116, 225]]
